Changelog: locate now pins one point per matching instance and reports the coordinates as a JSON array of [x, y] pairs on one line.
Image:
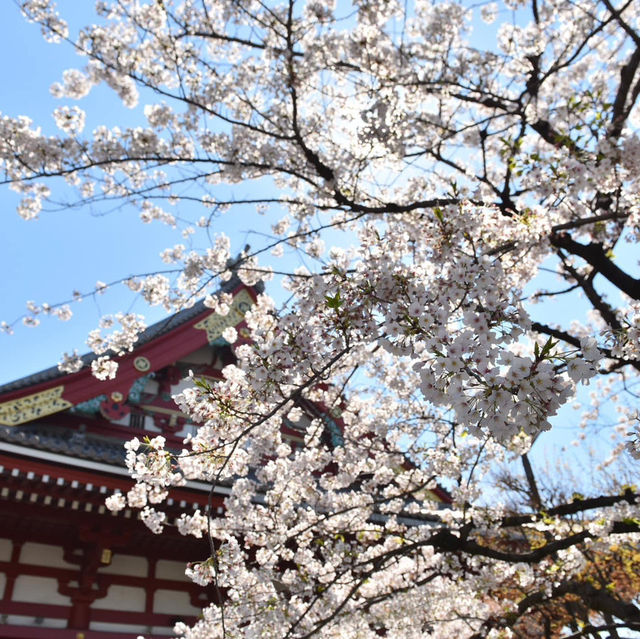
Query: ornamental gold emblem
[[141, 364], [30, 407], [214, 324]]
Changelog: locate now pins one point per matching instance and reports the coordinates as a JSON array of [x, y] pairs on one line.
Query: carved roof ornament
[[214, 324], [29, 407], [157, 349]]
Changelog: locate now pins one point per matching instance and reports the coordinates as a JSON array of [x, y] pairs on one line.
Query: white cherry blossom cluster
[[626, 341], [633, 443], [44, 12], [104, 368], [62, 312], [115, 502], [71, 363], [70, 119], [195, 524], [149, 463], [119, 341], [409, 359], [153, 519]]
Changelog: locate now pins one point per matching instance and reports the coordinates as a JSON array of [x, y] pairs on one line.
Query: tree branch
[[595, 256]]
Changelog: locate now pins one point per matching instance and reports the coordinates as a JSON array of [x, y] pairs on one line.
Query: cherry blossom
[[411, 355]]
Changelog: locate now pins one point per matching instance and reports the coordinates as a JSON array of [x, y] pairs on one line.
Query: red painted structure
[[69, 568]]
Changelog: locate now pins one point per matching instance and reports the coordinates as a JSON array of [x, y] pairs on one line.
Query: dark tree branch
[[620, 108], [575, 507], [553, 137], [588, 220], [594, 598], [534, 493], [595, 255], [557, 333], [617, 15]]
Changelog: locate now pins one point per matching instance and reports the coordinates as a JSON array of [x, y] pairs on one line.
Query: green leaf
[[546, 349], [334, 302], [631, 521], [203, 384]]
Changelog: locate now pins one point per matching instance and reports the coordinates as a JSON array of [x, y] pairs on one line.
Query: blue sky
[[46, 259]]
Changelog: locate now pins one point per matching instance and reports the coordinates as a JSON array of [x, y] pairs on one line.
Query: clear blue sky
[[46, 259]]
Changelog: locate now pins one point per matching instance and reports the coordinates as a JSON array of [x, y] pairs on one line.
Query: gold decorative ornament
[[30, 407], [141, 364], [214, 324], [117, 397]]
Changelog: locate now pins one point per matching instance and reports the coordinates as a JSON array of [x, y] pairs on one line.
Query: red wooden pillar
[[15, 570], [80, 613], [88, 588], [150, 590]]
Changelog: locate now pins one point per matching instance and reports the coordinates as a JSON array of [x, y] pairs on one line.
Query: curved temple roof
[[51, 391]]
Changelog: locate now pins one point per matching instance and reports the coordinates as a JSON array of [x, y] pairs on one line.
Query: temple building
[[70, 568]]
